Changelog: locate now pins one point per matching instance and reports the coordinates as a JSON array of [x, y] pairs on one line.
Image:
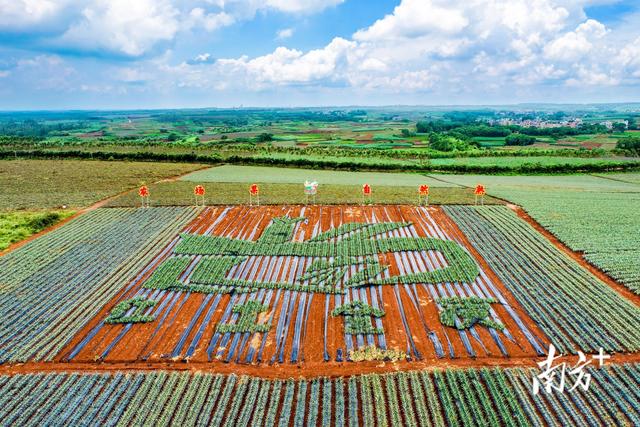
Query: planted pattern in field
[[53, 286], [574, 308], [334, 280], [485, 397]]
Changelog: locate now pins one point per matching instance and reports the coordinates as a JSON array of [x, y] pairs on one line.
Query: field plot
[[52, 286], [180, 193], [541, 160], [470, 397], [38, 184], [596, 215], [319, 285], [250, 174], [575, 309]]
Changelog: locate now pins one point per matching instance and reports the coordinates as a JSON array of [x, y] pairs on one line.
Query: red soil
[[138, 349]]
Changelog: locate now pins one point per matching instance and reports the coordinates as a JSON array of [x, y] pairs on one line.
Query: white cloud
[[574, 45], [198, 17], [415, 18], [284, 33], [17, 14], [628, 58], [592, 77], [130, 75], [423, 45], [419, 80], [203, 57], [45, 72], [285, 66], [437, 46], [300, 6], [123, 26], [132, 27]]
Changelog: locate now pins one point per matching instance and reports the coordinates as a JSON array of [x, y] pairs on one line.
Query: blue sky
[[102, 54]]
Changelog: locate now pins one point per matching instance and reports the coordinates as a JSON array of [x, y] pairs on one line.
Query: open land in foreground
[[322, 314]]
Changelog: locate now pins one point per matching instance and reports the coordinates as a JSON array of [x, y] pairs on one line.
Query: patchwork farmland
[[306, 315]]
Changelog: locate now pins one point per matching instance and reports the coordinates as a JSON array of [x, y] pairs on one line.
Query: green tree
[[519, 139], [264, 137], [630, 144], [443, 142]]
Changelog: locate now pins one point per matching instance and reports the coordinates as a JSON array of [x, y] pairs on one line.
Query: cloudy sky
[[197, 53]]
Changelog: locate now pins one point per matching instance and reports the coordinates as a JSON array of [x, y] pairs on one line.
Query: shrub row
[[215, 158]]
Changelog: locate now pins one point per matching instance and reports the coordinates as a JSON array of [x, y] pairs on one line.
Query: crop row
[[603, 224], [131, 311], [575, 309], [55, 284], [470, 397], [187, 322]]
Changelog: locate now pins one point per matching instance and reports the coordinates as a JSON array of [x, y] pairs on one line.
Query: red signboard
[[423, 190], [143, 191], [254, 190], [366, 190], [198, 190], [480, 191]]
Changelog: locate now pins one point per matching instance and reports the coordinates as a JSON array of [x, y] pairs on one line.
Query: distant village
[[546, 123]]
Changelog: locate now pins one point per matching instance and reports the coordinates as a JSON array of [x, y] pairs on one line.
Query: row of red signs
[[423, 190]]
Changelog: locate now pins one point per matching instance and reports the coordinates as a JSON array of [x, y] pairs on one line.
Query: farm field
[[295, 270], [17, 226], [409, 160], [438, 398], [259, 174], [55, 284], [40, 184], [520, 160], [311, 315], [180, 193], [595, 215], [299, 298]]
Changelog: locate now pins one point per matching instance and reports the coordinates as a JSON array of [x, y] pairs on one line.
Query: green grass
[[486, 141], [259, 174], [43, 184], [498, 184], [180, 193], [369, 129], [364, 160], [633, 178], [518, 161], [17, 226]]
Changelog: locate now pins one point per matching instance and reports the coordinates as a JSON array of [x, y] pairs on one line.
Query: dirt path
[[284, 371]]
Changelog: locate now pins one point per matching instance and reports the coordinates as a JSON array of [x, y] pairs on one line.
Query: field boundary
[[214, 159], [576, 255], [99, 204], [285, 371]]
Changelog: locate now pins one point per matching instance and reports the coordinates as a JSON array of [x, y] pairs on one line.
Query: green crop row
[[462, 313], [120, 314], [54, 285], [572, 307], [603, 225]]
